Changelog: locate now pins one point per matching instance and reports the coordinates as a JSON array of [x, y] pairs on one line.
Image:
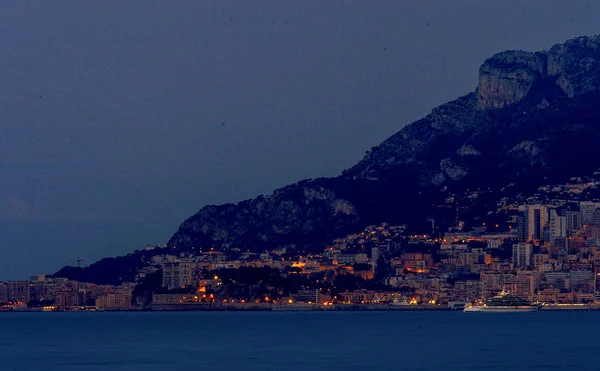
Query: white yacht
[[503, 303]]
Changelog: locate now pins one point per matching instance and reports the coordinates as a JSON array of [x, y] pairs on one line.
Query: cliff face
[[507, 77], [534, 119], [576, 65]]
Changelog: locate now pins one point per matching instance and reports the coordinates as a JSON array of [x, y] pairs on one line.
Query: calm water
[[299, 341]]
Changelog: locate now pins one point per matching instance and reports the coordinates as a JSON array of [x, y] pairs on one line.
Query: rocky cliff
[[576, 65], [534, 118], [507, 77]]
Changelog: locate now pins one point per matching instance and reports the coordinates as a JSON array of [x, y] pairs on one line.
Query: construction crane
[[78, 260]]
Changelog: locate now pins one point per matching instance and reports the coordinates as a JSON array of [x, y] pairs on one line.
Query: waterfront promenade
[[264, 307]]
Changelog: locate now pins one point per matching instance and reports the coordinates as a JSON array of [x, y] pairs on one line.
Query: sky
[[120, 119]]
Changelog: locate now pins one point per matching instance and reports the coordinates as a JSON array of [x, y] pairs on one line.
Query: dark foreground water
[[300, 341]]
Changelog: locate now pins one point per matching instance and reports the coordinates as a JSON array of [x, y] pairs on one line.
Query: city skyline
[[380, 266]]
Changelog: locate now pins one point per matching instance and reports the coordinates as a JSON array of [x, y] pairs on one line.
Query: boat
[[457, 305], [503, 303], [402, 302]]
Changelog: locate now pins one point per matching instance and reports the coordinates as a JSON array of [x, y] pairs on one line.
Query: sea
[[398, 340]]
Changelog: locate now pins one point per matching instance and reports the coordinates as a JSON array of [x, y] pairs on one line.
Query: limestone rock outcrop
[[576, 65], [507, 77]]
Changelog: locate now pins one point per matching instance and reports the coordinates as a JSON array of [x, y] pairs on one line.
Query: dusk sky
[[120, 119]]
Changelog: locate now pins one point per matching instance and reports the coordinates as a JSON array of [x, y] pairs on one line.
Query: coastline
[[269, 307]]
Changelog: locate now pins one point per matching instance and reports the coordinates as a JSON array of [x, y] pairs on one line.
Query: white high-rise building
[[522, 253], [375, 254], [558, 225], [573, 220], [532, 220], [587, 210]]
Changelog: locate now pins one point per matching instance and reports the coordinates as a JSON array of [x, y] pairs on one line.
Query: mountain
[[533, 119]]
